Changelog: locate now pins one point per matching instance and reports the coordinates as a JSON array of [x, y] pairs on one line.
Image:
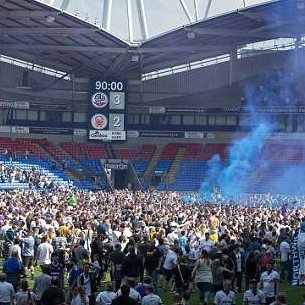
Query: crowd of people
[[34, 177], [127, 247]]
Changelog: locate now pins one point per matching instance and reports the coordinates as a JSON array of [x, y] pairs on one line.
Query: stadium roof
[[41, 34], [220, 35], [38, 33]]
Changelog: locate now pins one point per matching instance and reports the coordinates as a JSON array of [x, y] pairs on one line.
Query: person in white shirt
[[4, 228], [106, 297], [285, 259], [44, 251], [133, 294], [173, 236], [253, 296], [225, 296], [269, 283], [28, 252], [42, 283], [7, 292], [24, 294], [169, 264], [80, 297], [151, 298], [281, 299], [207, 244], [16, 248]]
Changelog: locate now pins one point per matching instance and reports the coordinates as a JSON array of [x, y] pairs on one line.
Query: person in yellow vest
[[214, 225]]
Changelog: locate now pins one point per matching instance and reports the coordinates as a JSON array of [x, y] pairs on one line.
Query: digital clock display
[[109, 86]]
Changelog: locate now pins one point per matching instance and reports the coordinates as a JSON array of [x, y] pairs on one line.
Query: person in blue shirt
[[57, 269], [183, 241], [13, 269], [74, 273]]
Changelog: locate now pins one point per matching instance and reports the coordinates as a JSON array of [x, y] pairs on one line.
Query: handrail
[[253, 49], [34, 67]]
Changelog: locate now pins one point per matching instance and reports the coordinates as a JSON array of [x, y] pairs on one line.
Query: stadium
[[115, 120]]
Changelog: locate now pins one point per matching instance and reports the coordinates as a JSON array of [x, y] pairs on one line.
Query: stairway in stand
[[110, 151], [152, 164], [57, 154], [170, 178], [80, 172]]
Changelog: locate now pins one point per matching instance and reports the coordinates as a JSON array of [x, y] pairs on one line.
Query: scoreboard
[[107, 109]]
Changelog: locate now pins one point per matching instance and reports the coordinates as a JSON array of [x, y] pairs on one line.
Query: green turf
[[294, 293]]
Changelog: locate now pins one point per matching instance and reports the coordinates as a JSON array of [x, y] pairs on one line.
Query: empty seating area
[[93, 151], [281, 178], [55, 151], [140, 157], [169, 152], [163, 166], [182, 166], [210, 150], [84, 150], [167, 157], [88, 158], [145, 152], [281, 152], [193, 166], [21, 147], [73, 149], [193, 151], [190, 175]]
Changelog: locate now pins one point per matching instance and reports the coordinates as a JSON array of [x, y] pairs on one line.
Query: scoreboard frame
[[107, 110]]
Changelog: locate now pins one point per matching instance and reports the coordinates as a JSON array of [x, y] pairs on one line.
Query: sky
[[162, 15]]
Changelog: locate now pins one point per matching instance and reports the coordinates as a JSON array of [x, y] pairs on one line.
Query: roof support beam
[[65, 4], [184, 48], [261, 16], [196, 10], [62, 48], [118, 63], [47, 31], [107, 15], [186, 11], [142, 18], [24, 14], [41, 59], [129, 20], [268, 27], [239, 33], [101, 49], [207, 10]]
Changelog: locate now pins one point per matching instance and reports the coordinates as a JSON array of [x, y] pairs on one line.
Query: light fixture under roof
[[190, 35], [135, 58], [50, 19]]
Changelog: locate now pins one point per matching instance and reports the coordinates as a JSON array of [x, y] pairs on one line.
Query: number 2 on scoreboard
[[116, 121]]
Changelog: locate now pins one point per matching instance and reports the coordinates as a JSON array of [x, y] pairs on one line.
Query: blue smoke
[[214, 168], [249, 156], [233, 178]]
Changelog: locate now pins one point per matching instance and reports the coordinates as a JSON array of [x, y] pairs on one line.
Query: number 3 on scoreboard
[[117, 99]]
